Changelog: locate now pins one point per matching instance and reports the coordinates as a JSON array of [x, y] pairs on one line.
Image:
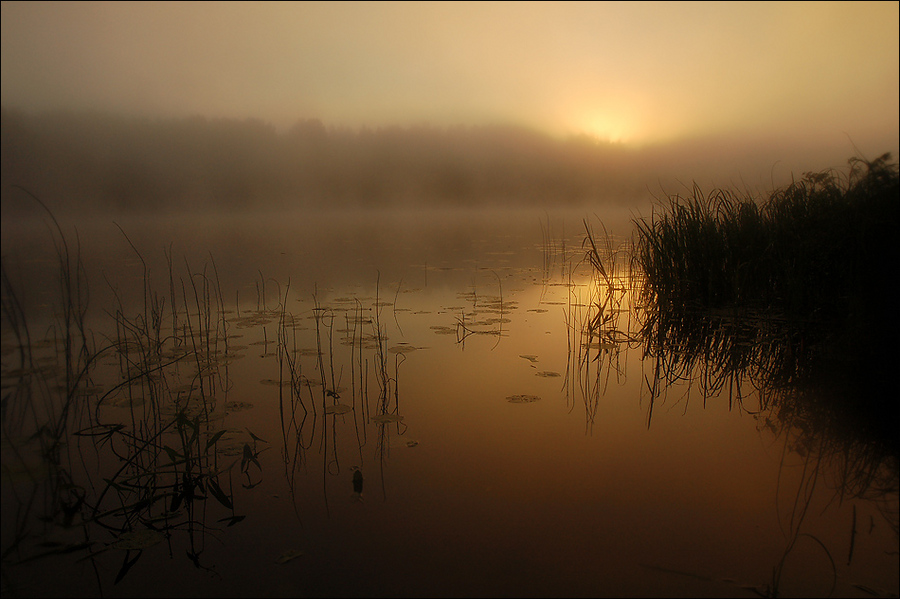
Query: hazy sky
[[633, 72]]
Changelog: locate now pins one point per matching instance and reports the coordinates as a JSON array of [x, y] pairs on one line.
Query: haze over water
[[724, 94], [331, 262]]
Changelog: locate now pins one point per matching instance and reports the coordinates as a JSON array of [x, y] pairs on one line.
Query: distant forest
[[93, 161], [134, 163]]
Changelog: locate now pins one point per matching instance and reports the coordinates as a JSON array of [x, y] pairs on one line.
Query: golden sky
[[633, 72]]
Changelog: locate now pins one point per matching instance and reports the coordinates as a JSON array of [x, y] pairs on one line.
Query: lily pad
[[127, 402], [522, 398], [288, 555], [273, 382], [386, 418], [444, 330], [139, 539], [402, 349], [604, 345], [338, 408]]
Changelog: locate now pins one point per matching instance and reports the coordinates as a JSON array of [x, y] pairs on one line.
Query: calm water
[[395, 404]]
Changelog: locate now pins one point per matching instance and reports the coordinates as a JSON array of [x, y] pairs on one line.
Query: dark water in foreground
[[448, 429]]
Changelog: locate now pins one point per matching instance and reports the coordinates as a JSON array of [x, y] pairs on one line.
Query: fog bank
[[98, 162]]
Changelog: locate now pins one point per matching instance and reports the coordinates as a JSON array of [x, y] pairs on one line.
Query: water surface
[[448, 428]]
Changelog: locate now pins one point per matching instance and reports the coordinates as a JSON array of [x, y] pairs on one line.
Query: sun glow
[[604, 127], [609, 128], [607, 119]]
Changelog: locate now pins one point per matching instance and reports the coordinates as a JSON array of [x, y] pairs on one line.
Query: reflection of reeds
[[777, 276], [372, 400], [786, 293], [295, 416], [483, 304], [387, 407], [786, 298], [128, 448], [598, 337]]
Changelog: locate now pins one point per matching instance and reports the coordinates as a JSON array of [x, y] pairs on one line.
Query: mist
[[97, 162], [111, 107], [454, 258]]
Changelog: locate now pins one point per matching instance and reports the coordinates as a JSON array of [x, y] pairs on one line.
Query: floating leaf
[[338, 408], [230, 450], [164, 517], [401, 442], [402, 349], [531, 358], [385, 418], [604, 345], [100, 430], [274, 383], [308, 352], [289, 555], [444, 330], [139, 539], [127, 402], [522, 398], [548, 374]]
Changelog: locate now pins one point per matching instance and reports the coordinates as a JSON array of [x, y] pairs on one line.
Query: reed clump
[[803, 253], [793, 291], [112, 426]]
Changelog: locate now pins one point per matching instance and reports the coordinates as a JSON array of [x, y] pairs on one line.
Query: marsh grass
[[788, 299], [320, 415], [122, 440], [487, 315], [598, 320], [790, 295], [789, 279]]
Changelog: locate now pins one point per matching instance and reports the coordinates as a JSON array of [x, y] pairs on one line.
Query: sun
[[609, 129], [604, 127]]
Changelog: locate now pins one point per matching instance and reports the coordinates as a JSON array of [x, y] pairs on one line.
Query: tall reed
[[124, 478], [789, 296], [806, 265]]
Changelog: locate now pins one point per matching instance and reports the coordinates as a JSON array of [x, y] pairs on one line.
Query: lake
[[392, 404]]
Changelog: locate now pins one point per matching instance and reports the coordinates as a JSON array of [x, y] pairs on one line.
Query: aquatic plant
[[784, 300], [115, 429], [598, 319], [786, 297], [774, 287]]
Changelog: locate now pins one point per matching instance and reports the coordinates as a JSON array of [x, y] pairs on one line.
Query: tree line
[[104, 162], [130, 163]]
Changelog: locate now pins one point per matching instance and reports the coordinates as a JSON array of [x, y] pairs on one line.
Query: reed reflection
[[599, 318], [319, 415], [779, 302], [114, 437]]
